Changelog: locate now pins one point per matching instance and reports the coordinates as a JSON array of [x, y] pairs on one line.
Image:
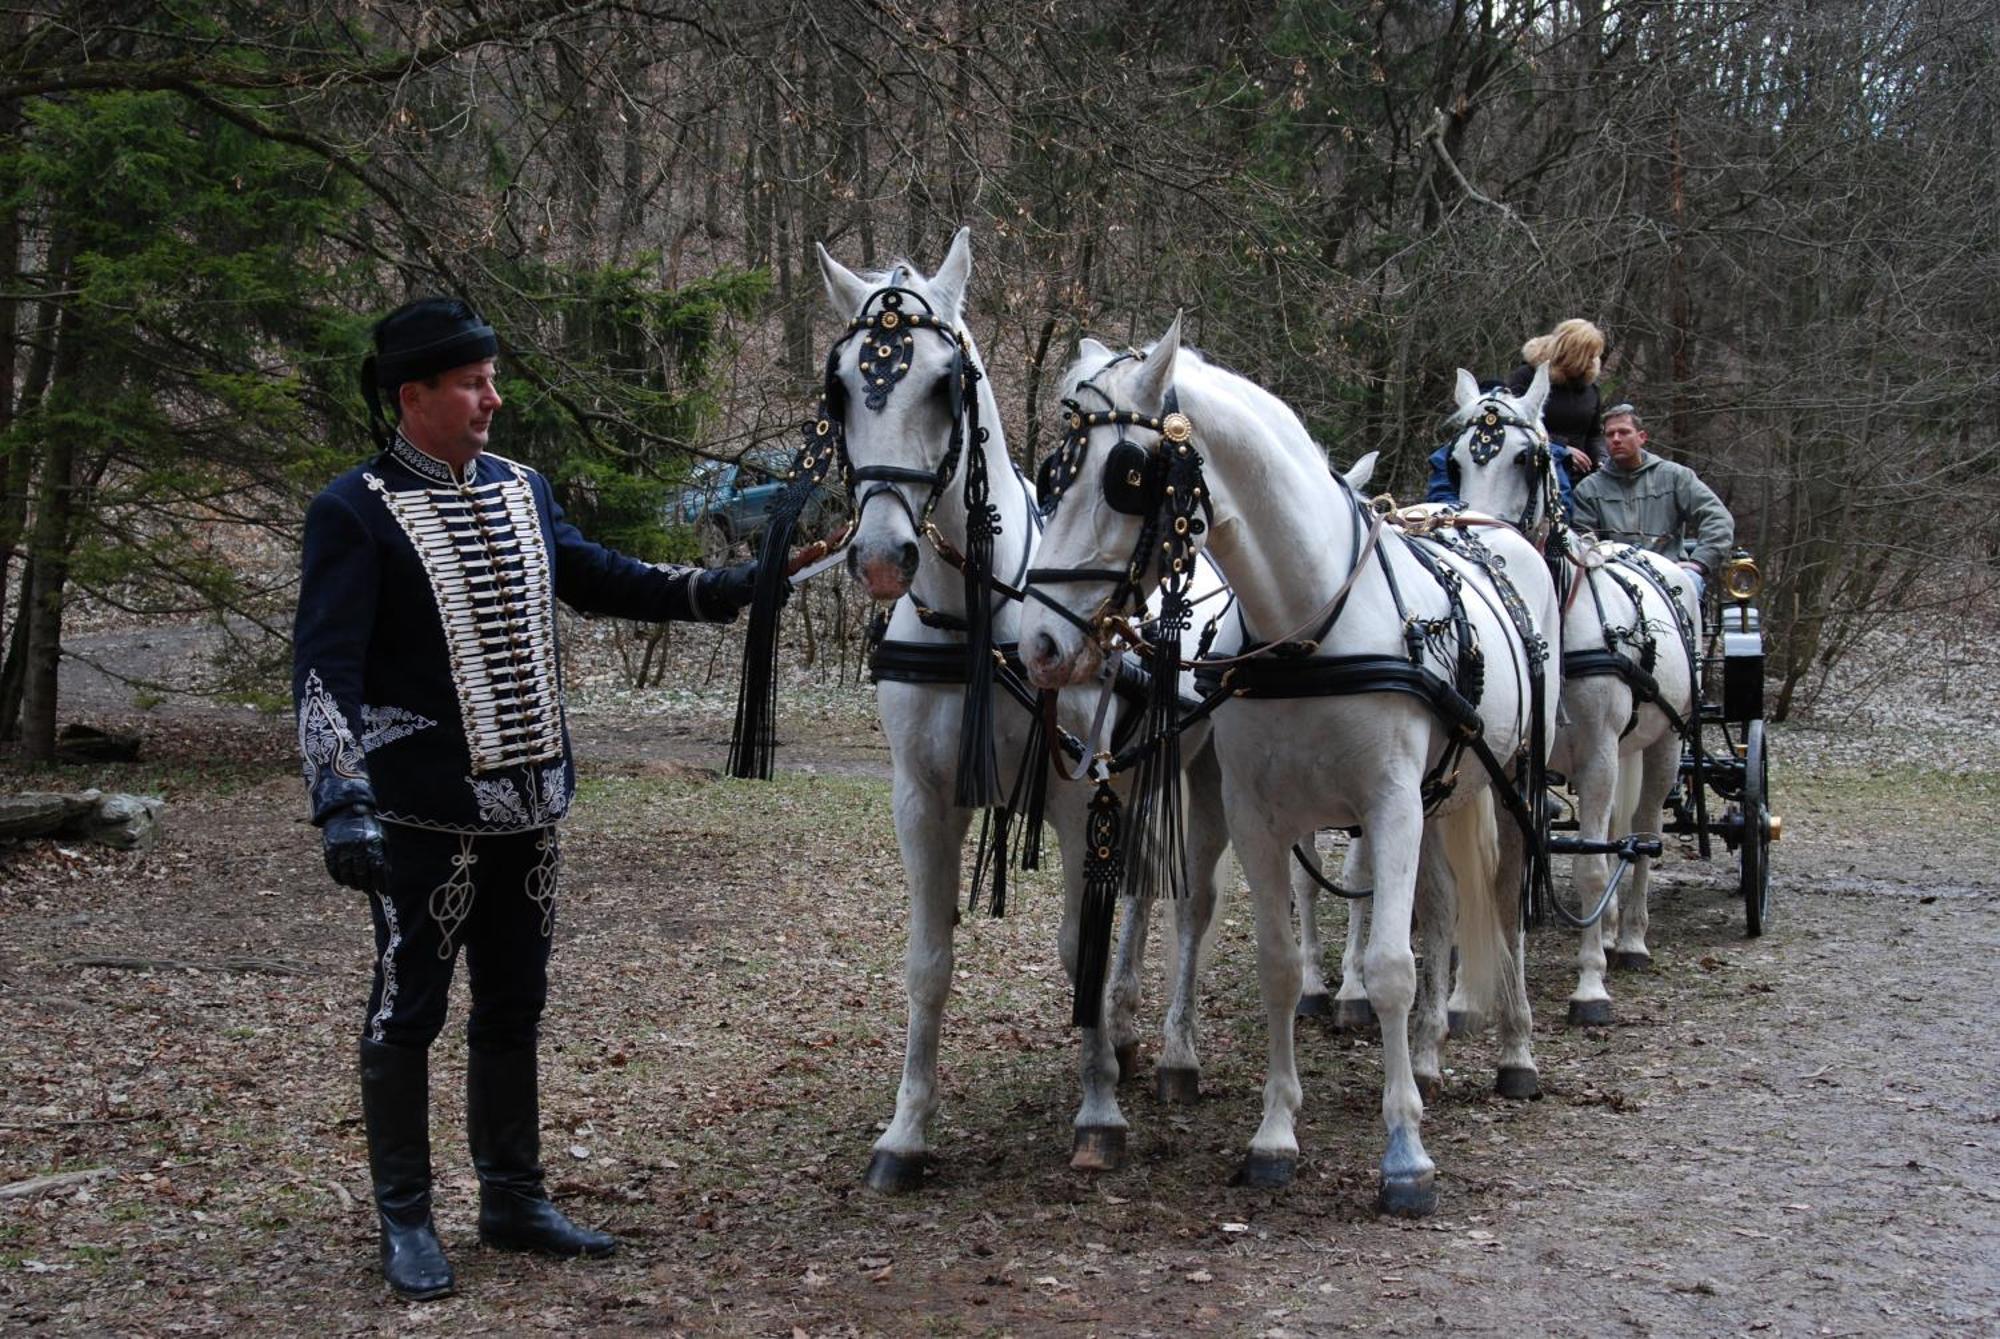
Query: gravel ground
[[1793, 1135]]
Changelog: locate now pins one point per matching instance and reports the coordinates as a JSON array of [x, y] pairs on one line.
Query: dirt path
[[1791, 1136]]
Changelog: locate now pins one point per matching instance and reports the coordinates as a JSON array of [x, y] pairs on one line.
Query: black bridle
[[1488, 430], [1161, 484], [888, 330]]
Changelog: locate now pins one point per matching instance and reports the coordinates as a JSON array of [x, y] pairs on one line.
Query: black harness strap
[[1611, 661]]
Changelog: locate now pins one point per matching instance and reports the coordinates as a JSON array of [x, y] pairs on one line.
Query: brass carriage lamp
[[1741, 581]]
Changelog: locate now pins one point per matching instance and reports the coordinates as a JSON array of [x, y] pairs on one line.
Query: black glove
[[732, 588], [355, 854]]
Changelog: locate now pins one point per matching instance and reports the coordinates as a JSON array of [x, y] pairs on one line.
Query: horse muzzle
[[885, 571], [1055, 660]]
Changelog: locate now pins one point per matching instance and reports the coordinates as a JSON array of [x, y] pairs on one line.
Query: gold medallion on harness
[[1177, 427]]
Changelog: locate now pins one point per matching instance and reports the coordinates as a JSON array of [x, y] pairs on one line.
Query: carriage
[[1724, 759], [1739, 773]]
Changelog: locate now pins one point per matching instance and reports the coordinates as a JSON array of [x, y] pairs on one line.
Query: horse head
[[896, 385], [1102, 552], [1500, 455]]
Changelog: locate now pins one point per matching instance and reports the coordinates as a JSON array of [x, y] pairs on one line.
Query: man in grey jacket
[[1649, 502]]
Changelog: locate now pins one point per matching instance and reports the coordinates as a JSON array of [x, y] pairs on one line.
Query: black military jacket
[[424, 664]]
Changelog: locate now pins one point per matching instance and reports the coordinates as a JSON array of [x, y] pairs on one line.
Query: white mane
[[1226, 405]]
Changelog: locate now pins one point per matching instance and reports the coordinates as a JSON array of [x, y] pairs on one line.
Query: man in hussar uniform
[[429, 696]]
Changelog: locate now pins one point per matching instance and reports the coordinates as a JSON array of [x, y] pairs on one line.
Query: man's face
[[1626, 441], [451, 419]]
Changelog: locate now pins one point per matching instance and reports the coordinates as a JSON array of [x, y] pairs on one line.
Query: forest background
[[1785, 214]]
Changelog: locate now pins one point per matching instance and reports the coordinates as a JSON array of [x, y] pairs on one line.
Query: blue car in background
[[729, 502]]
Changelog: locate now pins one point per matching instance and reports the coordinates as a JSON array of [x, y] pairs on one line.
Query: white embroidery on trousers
[[451, 901], [388, 1004], [542, 878]]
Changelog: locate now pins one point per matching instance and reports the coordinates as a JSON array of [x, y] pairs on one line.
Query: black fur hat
[[421, 339]]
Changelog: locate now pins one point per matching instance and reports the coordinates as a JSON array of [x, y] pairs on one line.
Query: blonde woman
[[1574, 353]]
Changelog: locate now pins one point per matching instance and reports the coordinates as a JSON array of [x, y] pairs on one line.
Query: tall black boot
[[396, 1106], [503, 1118]]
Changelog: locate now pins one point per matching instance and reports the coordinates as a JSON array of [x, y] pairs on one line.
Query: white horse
[[911, 514], [1616, 740], [1297, 545]]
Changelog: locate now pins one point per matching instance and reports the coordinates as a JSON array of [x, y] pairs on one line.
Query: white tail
[[1471, 839]]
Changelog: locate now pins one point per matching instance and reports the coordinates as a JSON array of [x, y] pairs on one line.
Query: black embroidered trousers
[[492, 896]]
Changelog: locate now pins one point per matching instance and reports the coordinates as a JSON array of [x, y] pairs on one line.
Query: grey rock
[[128, 822], [42, 814]]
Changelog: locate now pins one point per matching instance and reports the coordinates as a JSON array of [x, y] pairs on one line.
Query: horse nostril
[[909, 557], [1046, 652], [854, 560]]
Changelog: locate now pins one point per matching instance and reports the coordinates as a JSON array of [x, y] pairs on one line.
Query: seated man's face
[[1626, 442]]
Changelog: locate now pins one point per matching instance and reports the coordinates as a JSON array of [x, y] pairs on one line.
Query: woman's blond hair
[[1574, 351]]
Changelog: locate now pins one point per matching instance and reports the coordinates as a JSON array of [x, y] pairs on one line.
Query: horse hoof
[[1353, 1015], [1127, 1056], [1430, 1087], [893, 1173], [1315, 1005], [1590, 1013], [1413, 1196], [1265, 1171], [1629, 960], [1098, 1148], [1518, 1083], [1179, 1086], [1460, 1023]]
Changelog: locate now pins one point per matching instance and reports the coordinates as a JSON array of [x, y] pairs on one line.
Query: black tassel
[[978, 767], [1000, 819], [1103, 875], [753, 742], [990, 859], [1030, 795], [1155, 844]]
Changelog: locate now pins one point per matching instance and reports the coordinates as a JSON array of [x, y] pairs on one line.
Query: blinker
[[1133, 479]]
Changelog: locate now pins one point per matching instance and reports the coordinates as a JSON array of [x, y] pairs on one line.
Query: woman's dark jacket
[[1573, 413]]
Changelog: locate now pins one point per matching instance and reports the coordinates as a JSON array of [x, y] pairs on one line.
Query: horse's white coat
[[1283, 532], [1620, 777], [922, 721]]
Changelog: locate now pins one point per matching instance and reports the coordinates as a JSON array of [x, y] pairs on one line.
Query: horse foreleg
[[1267, 860], [1351, 1010], [1595, 776], [1518, 1077], [1313, 1001], [1436, 916], [1127, 987], [1099, 1134], [1660, 764], [1178, 1077], [930, 833], [1395, 830]]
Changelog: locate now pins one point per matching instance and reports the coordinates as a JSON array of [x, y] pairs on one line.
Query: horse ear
[[1466, 391], [845, 289], [1362, 471], [1538, 393], [948, 284], [1156, 374], [1093, 353]]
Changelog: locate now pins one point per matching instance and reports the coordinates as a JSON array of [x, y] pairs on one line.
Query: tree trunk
[[14, 668], [48, 550]]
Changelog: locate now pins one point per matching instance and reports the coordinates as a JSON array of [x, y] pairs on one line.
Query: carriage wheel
[[1756, 830]]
